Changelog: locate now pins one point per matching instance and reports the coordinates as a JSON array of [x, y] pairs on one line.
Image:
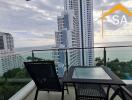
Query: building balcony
[[112, 57]]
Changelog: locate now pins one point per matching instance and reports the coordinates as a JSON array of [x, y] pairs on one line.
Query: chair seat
[[90, 91]]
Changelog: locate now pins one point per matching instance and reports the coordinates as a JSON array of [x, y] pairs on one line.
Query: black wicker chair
[[124, 92], [45, 77], [90, 92]]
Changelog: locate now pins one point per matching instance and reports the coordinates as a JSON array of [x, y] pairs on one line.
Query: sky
[[112, 33], [31, 23], [34, 23]]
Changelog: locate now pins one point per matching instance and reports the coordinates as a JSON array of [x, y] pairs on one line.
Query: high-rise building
[[87, 30], [8, 59], [67, 37], [75, 6], [83, 10], [75, 30], [6, 43]]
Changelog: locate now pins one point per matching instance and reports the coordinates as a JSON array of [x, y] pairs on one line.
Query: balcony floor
[[43, 95]]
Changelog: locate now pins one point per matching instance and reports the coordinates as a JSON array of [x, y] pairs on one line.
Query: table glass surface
[[90, 73]]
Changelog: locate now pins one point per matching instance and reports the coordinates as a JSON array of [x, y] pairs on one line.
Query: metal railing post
[[104, 56], [82, 56], [32, 55], [66, 60]]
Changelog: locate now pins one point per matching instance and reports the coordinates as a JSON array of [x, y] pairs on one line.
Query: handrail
[[13, 53], [81, 48], [65, 49]]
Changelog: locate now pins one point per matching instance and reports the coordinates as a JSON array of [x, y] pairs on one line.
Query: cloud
[[34, 20]]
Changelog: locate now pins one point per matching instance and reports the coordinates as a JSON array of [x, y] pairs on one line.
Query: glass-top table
[[90, 73]]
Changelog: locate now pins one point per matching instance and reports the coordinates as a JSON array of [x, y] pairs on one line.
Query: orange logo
[[116, 19], [118, 7]]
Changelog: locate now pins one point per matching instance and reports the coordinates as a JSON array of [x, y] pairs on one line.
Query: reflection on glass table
[[90, 73]]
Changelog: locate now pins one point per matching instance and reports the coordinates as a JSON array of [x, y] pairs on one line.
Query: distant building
[[6, 43], [8, 60], [67, 37]]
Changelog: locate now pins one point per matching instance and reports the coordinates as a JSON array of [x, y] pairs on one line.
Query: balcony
[[28, 94], [109, 56]]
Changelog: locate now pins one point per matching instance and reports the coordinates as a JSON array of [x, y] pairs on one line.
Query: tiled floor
[[43, 95]]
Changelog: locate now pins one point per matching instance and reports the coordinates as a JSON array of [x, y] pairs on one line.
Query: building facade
[[83, 10], [87, 31], [8, 59], [75, 30], [66, 37], [6, 43]]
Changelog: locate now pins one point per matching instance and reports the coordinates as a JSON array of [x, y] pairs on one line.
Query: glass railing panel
[[99, 56], [60, 61], [119, 60], [90, 56], [74, 57], [13, 75], [59, 56], [44, 55]]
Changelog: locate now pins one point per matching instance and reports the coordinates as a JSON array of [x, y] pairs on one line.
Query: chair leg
[[62, 96], [108, 90], [76, 97], [36, 95]]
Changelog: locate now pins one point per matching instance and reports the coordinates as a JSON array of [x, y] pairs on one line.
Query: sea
[[27, 52], [121, 53]]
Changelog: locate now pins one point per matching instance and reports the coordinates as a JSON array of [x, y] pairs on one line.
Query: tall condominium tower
[[87, 30], [83, 10]]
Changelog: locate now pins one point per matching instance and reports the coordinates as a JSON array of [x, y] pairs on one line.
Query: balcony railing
[[117, 58], [13, 75]]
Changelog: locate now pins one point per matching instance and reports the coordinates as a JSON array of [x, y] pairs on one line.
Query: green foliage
[[99, 61], [8, 89], [16, 73], [121, 69]]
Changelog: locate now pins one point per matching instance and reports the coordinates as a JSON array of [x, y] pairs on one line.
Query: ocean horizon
[[122, 53], [22, 49]]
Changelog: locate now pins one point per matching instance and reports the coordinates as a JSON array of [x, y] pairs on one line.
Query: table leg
[[108, 90], [115, 93]]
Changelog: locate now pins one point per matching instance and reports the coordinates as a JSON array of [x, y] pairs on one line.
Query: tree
[[16, 73], [11, 73], [116, 66], [99, 61]]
